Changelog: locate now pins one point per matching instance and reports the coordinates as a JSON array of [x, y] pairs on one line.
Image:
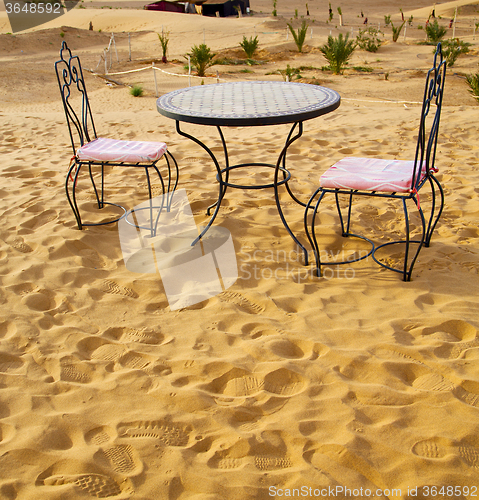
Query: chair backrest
[[428, 129], [74, 98]]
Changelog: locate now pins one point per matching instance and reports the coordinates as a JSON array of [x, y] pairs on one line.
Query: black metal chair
[[393, 179], [94, 151]]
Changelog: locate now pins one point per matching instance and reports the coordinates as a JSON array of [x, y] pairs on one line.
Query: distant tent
[[166, 6], [224, 8]]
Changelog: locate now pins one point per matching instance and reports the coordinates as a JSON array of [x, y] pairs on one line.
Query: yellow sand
[[282, 385]]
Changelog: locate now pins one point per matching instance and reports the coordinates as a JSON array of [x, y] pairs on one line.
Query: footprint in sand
[[284, 382], [108, 286], [140, 336], [437, 383], [259, 330], [122, 458], [438, 448], [10, 363], [242, 453], [21, 246], [85, 477], [167, 433], [100, 435], [245, 304], [236, 383], [95, 485], [136, 361]]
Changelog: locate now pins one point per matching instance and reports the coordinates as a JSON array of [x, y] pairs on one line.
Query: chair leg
[[177, 175], [72, 198], [344, 233], [407, 273], [99, 198], [432, 225], [312, 235]]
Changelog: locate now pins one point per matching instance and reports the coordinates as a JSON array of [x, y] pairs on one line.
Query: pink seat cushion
[[370, 174], [106, 150]]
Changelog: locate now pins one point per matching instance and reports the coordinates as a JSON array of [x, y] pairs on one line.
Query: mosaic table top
[[248, 103]]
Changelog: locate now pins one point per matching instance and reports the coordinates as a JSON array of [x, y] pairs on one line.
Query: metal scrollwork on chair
[[93, 151]]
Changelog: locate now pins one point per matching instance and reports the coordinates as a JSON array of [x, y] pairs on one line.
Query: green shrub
[[473, 82], [164, 39], [275, 13], [289, 73], [434, 32], [249, 46], [299, 37], [338, 51], [201, 58], [397, 30], [452, 49], [369, 40], [136, 90]]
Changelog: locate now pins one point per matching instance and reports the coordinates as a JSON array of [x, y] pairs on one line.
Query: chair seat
[[371, 174], [105, 150]]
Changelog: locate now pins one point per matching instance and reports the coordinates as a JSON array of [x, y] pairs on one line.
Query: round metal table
[[249, 104]]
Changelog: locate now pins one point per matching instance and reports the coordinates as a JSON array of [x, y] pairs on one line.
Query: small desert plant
[[62, 34], [289, 73], [249, 46], [300, 36], [201, 58], [369, 40], [387, 20], [275, 13], [164, 39], [473, 82], [330, 12], [338, 51], [136, 90], [340, 13], [397, 30], [452, 49], [363, 69], [410, 20], [434, 32]]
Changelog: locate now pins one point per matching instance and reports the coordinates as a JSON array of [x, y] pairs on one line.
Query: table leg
[[222, 185], [282, 161]]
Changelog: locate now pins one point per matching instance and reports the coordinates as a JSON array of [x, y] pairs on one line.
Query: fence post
[[116, 51], [129, 47], [106, 64], [189, 71], [154, 76]]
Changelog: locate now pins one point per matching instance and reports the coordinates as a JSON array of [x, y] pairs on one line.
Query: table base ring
[[257, 186]]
